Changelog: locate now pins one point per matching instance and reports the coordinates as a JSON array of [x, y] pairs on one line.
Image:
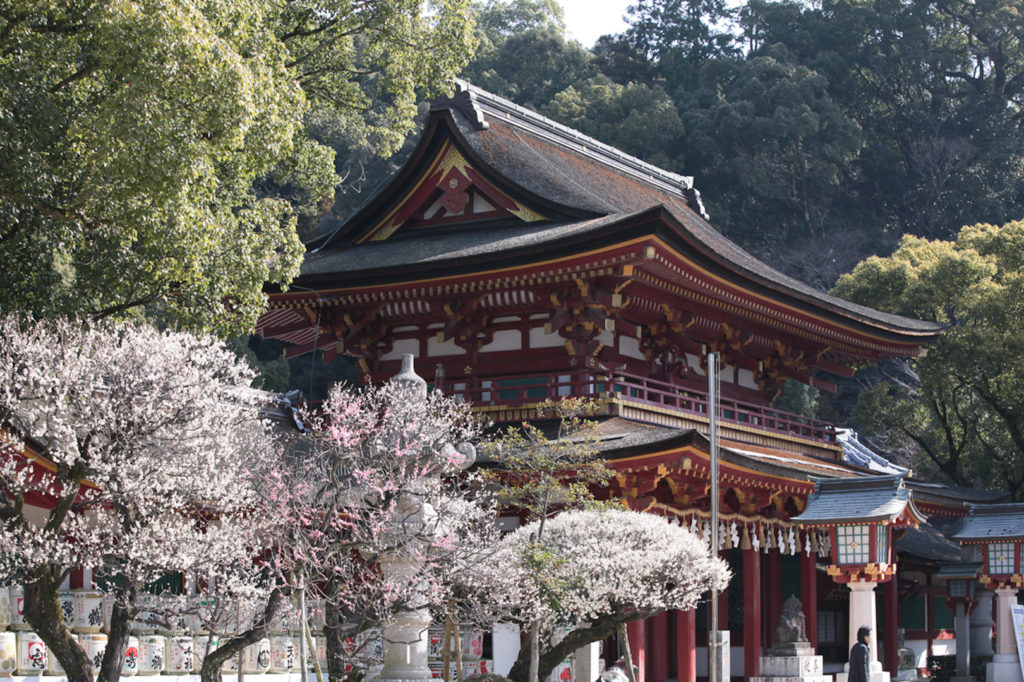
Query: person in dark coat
[[860, 657]]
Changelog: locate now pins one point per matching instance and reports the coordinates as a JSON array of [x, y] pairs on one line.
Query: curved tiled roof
[[991, 522], [594, 187], [566, 167], [872, 498]]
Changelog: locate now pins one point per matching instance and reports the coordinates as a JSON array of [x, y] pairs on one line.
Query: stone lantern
[[995, 534], [860, 515], [406, 637], [961, 580]]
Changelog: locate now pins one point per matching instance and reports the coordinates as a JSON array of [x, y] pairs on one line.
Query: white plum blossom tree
[[594, 571], [129, 451]]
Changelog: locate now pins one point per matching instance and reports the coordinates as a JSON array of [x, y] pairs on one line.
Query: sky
[[587, 20]]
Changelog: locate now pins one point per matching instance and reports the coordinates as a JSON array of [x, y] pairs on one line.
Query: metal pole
[[713, 673], [303, 677]]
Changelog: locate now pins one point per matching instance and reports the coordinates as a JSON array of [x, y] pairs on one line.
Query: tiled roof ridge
[[995, 509], [884, 482], [475, 103]]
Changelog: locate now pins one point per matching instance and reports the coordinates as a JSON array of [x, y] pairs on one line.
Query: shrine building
[[519, 260]]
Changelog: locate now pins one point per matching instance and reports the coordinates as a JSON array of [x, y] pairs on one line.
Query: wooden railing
[[524, 390]]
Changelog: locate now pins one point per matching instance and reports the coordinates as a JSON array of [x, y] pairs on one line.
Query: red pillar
[[890, 597], [657, 638], [751, 613], [809, 595], [635, 631], [773, 593], [686, 646]]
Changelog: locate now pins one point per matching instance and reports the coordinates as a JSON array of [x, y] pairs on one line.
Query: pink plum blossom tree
[[129, 451], [371, 520]]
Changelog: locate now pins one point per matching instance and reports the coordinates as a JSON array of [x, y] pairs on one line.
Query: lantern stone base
[[1003, 668], [798, 664], [877, 674]]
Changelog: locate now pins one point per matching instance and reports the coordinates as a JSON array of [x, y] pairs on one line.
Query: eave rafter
[[620, 289], [683, 478]]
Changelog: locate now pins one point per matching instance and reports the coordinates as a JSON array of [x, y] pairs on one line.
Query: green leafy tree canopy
[[154, 152], [963, 417]]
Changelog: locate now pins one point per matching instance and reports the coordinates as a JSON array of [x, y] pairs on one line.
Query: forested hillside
[[818, 133]]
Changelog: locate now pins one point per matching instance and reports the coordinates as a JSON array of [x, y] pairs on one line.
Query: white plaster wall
[[508, 339], [435, 349], [505, 646], [630, 347], [694, 362], [735, 661], [920, 649], [538, 339], [401, 347], [746, 379]]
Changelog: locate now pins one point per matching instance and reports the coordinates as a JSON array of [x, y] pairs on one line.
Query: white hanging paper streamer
[[693, 525], [807, 543], [734, 534], [792, 541], [707, 533], [721, 537], [755, 541], [780, 542]]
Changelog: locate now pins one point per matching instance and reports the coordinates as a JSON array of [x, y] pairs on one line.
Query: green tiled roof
[[992, 522], [850, 500]]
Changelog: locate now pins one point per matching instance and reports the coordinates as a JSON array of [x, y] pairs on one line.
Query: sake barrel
[[5, 608], [131, 658], [67, 607], [435, 643], [31, 653], [257, 657], [88, 611], [204, 645], [473, 644], [151, 654], [180, 655], [17, 596], [8, 653], [563, 672], [321, 652], [94, 645], [282, 653], [108, 612]]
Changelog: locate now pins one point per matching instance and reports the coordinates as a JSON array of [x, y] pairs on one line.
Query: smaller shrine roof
[[959, 569], [859, 454], [991, 522], [928, 542], [867, 499]]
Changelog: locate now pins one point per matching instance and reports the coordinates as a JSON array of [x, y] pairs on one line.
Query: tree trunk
[[558, 653], [534, 653], [627, 655], [333, 632], [210, 671], [117, 638], [43, 613]]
